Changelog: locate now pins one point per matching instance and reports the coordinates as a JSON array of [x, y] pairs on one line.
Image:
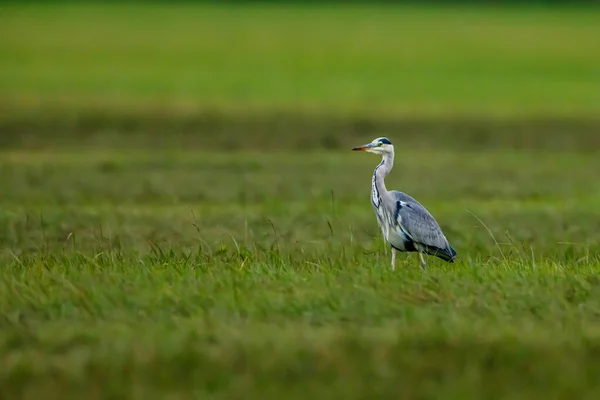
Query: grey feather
[[420, 226]]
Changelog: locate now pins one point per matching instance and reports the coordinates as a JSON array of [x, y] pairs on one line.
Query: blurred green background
[[181, 214], [306, 73]]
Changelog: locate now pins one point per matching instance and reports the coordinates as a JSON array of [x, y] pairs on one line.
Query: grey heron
[[404, 222]]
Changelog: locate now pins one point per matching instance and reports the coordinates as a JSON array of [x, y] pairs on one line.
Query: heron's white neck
[[378, 185]]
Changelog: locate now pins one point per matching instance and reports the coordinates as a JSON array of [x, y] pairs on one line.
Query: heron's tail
[[448, 254]]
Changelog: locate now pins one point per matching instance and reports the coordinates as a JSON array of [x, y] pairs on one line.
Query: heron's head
[[379, 146]]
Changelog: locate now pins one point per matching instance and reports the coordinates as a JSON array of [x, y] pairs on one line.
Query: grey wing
[[419, 225]]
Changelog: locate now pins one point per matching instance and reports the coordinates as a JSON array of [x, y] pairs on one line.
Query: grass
[[152, 274], [180, 214], [373, 60], [290, 77]]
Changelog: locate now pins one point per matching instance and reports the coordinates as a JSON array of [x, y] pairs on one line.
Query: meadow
[[181, 214]]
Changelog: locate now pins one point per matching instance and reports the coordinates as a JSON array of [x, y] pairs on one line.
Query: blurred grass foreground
[[181, 215]]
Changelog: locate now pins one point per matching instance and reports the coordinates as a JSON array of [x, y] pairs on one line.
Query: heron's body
[[404, 222]]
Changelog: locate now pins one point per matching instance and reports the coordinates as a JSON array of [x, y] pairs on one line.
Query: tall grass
[[261, 276]]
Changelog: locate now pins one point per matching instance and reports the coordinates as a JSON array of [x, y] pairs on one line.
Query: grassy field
[[93, 75], [262, 275], [177, 223], [370, 60]]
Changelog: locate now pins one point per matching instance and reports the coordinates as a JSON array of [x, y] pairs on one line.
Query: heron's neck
[[379, 174]]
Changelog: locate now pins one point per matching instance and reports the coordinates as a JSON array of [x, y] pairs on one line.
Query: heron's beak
[[363, 147]]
